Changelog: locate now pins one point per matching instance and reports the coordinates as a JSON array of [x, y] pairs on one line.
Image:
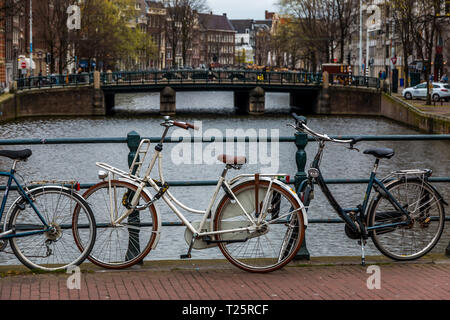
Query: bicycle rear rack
[[142, 150], [116, 171], [409, 174]]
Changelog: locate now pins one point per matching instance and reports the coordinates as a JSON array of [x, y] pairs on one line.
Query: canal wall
[[342, 100], [338, 100], [70, 101], [331, 100], [401, 111]]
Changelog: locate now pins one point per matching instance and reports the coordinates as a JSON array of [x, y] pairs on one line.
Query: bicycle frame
[[172, 202], [344, 213], [11, 178]]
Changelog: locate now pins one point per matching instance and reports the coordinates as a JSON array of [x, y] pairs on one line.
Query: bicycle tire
[[250, 255], [428, 217], [56, 205], [118, 247]]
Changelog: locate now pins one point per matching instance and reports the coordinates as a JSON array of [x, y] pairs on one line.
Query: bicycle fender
[[20, 199], [441, 198], [283, 186], [378, 194], [158, 215]]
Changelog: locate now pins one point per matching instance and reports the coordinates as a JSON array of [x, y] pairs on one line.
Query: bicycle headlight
[[313, 173], [102, 175]]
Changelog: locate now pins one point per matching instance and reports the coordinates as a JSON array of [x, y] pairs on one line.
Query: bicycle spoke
[[262, 251], [413, 239]]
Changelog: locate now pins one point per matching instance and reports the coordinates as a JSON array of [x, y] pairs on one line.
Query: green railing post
[[301, 140], [133, 141]]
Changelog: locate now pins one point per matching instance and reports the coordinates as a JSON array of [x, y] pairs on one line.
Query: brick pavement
[[399, 281]]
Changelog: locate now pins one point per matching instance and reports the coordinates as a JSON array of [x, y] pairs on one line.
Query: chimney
[[224, 14]]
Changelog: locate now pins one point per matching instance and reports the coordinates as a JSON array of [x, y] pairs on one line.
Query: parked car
[[440, 91]]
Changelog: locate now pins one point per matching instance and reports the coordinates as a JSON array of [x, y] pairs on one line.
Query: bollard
[[133, 141], [447, 250], [301, 140]]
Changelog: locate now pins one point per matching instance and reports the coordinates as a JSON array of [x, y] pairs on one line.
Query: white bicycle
[[258, 224]]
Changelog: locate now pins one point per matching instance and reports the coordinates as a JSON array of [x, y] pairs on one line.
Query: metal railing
[[356, 81], [300, 139], [194, 77], [54, 81]]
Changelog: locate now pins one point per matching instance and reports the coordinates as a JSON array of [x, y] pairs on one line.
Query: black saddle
[[381, 153], [16, 155]]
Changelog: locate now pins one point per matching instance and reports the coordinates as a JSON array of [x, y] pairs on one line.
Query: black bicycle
[[405, 217]]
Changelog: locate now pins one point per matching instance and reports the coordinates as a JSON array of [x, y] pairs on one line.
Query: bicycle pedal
[[185, 256]]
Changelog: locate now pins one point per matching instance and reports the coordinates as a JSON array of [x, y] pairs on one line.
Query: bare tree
[[424, 30], [345, 13], [11, 8], [51, 15], [314, 24], [402, 13], [182, 25]]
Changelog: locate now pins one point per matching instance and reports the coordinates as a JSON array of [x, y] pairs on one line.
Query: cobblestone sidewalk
[[397, 281]]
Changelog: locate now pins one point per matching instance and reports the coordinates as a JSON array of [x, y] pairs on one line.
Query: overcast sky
[[242, 9]]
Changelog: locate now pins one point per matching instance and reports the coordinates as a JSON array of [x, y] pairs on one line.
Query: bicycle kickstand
[[188, 255], [363, 242]]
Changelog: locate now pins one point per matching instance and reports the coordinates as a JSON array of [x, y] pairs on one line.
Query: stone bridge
[[95, 93]]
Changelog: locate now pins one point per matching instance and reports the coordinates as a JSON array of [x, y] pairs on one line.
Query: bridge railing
[[301, 140], [215, 76], [209, 76], [52, 81], [351, 80]]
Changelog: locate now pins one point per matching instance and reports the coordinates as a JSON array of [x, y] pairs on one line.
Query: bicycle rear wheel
[[54, 249], [416, 239], [124, 245], [275, 243]]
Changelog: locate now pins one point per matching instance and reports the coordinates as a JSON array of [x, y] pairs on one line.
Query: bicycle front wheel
[[275, 241], [51, 248], [125, 244], [412, 241]]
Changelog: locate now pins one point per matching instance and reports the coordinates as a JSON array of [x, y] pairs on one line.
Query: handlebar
[[301, 126], [185, 125]]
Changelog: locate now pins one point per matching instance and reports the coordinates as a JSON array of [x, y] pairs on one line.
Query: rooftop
[[211, 21]]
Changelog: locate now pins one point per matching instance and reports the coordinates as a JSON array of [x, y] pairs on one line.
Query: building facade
[[244, 41], [217, 40], [382, 51]]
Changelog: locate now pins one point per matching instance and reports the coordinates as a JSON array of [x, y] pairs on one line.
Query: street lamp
[[360, 35], [31, 38]]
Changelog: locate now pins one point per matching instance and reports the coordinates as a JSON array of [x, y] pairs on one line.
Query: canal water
[[214, 112]]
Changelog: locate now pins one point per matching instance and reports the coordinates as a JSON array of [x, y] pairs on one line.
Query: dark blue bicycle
[[39, 223], [405, 218]]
